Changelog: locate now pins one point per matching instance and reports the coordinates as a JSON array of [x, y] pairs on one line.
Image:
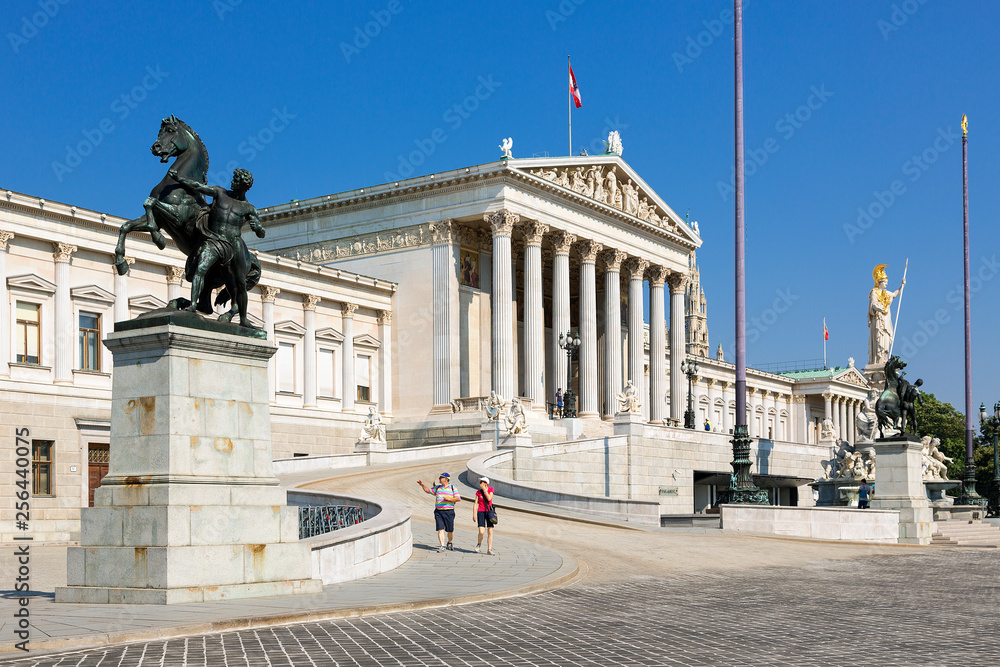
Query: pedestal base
[[899, 486], [496, 432], [190, 509]]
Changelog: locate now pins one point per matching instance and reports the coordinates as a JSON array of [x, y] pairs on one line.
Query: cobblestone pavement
[[936, 607]]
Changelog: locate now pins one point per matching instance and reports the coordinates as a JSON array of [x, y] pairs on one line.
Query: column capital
[[385, 317], [827, 396], [5, 238], [309, 301], [347, 309], [534, 231], [63, 251], [589, 250], [678, 281], [725, 384], [442, 231], [128, 260], [613, 259], [563, 241], [635, 268], [658, 275], [502, 222], [174, 275], [267, 293], [799, 398]]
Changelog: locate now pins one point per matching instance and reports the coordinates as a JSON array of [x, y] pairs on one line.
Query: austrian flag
[[574, 89], [826, 332]]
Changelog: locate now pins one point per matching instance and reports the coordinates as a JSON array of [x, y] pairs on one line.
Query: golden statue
[[879, 319]]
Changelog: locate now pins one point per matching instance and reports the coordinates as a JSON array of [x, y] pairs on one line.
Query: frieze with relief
[[608, 187], [365, 244]]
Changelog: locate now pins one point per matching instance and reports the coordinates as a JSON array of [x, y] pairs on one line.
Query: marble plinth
[[190, 509], [899, 486]]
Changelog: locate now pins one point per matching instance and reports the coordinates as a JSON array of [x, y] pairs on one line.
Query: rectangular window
[[41, 467], [286, 368], [362, 376], [90, 342], [325, 361], [29, 335]]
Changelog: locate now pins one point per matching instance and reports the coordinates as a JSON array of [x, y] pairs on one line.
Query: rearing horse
[[176, 210], [887, 408]]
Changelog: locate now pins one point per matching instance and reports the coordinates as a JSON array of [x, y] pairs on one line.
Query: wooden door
[[98, 466]]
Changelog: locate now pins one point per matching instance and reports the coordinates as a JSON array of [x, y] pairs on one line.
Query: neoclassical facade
[[60, 295]]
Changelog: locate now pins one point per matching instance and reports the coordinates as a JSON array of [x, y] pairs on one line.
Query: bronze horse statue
[[176, 210], [888, 408]]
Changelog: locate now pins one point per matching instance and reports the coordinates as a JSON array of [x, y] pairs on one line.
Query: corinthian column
[[174, 276], [562, 241], [349, 391], [309, 302], [657, 345], [64, 338], [678, 281], [534, 316], [5, 329], [612, 329], [444, 287], [385, 362], [501, 224], [588, 329], [635, 269], [267, 296]]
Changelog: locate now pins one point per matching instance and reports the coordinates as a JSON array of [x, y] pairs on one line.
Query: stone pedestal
[[496, 432], [630, 424], [190, 509], [573, 426], [899, 486]]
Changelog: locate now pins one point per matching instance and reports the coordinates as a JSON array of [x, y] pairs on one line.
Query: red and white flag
[[574, 89], [826, 333]]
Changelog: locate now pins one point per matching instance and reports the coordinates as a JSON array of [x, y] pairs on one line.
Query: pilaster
[[65, 339]]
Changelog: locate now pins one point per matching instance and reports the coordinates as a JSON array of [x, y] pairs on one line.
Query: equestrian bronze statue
[[209, 235]]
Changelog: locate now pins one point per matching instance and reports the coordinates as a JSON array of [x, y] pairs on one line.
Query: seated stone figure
[[515, 419], [494, 407], [373, 428], [628, 399]]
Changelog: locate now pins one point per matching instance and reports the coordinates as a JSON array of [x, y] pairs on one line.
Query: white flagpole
[[899, 305]]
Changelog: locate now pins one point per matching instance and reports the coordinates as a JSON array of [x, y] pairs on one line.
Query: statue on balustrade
[[515, 419], [628, 399], [373, 428]]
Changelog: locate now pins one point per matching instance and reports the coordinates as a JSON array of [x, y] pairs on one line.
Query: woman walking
[[484, 504]]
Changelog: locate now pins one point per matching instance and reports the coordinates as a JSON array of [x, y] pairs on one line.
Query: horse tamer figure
[[210, 236]]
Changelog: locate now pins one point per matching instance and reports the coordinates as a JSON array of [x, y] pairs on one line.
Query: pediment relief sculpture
[[607, 186]]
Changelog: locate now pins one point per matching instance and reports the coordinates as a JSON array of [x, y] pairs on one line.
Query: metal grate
[[98, 454], [326, 519]]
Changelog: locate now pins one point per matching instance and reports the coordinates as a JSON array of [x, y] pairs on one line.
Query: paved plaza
[[937, 607], [641, 597]]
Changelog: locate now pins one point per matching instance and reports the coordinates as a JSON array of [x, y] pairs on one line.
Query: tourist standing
[[864, 492], [445, 497], [484, 503], [708, 425], [559, 403]]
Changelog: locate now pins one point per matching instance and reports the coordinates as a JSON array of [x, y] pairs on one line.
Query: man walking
[[559, 403], [445, 497], [864, 493]]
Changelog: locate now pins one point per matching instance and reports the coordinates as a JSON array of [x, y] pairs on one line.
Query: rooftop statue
[[879, 319], [210, 235]]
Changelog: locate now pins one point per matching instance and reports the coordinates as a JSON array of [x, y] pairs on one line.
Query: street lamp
[[571, 343], [994, 425], [690, 368]]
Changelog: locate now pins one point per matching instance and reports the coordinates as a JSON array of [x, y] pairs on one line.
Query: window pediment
[[330, 335], [367, 340], [289, 328], [92, 293], [31, 282], [146, 303]]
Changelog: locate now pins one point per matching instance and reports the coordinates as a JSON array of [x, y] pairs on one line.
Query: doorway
[[97, 457]]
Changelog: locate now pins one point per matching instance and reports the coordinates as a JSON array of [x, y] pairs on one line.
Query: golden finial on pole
[[965, 125]]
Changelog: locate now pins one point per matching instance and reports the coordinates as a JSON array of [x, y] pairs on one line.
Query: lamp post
[[993, 422], [690, 368], [571, 343]]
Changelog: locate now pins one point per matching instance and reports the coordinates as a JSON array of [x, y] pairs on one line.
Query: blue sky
[[849, 105]]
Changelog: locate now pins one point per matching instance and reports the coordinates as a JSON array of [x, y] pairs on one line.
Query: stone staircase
[[966, 534]]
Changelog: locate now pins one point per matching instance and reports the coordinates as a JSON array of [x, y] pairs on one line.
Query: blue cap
[[444, 474]]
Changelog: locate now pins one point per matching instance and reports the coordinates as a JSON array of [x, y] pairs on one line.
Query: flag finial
[[965, 125]]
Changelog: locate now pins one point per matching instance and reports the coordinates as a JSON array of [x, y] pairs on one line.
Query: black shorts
[[481, 519], [444, 520], [864, 504]]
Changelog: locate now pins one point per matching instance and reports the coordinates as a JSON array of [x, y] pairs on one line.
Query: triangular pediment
[[852, 376], [31, 282], [145, 303], [289, 328], [254, 320], [330, 335], [92, 293], [367, 340], [610, 183]]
